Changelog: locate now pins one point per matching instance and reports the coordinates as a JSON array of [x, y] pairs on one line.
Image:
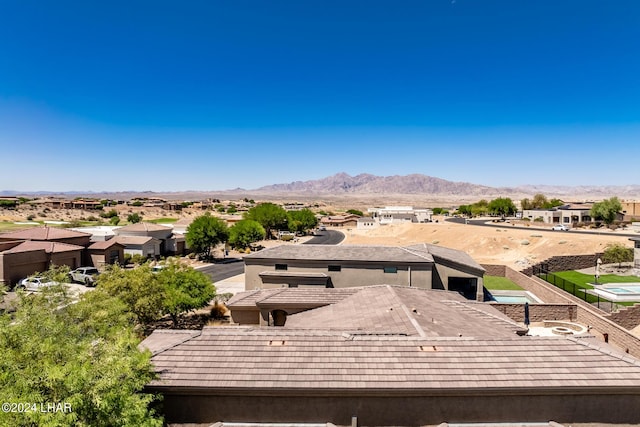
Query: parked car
[[560, 227], [36, 283], [86, 275]]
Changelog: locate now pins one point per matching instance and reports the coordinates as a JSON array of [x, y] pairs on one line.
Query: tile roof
[[144, 226], [134, 240], [368, 253], [290, 297], [407, 311], [441, 253], [43, 233], [104, 244], [48, 247], [222, 359]]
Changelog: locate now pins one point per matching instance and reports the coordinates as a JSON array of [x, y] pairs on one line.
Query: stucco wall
[[413, 409], [17, 266], [351, 274], [627, 317]]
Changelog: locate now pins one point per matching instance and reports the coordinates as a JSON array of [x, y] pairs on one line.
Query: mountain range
[[343, 184]]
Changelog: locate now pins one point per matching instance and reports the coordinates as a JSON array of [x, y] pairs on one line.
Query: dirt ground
[[505, 245]]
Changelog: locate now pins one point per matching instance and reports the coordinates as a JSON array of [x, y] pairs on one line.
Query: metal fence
[[574, 289]]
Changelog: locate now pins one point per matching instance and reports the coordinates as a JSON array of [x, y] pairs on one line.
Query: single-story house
[[387, 355], [170, 243], [20, 259], [366, 223], [140, 245], [423, 266], [399, 214]]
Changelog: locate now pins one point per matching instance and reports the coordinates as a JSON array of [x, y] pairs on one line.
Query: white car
[[86, 275], [34, 284], [560, 227]]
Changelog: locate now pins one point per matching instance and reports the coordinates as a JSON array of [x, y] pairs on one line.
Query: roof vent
[[428, 348], [276, 343]]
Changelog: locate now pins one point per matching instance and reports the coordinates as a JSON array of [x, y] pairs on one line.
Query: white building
[[400, 214]]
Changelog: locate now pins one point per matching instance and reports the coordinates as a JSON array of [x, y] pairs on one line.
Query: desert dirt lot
[[489, 245]]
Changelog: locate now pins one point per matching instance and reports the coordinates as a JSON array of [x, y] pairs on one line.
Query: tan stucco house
[[422, 266]]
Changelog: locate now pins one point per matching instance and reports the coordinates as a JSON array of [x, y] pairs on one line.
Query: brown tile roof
[[288, 297], [222, 359], [48, 247], [133, 240], [370, 253], [408, 311], [43, 233], [104, 244]]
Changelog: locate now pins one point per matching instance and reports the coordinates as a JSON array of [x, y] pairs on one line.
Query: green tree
[[502, 206], [137, 288], [606, 210], [184, 289], [134, 218], [204, 233], [464, 210], [617, 252], [114, 220], [539, 201], [301, 220], [245, 232], [269, 215], [438, 211], [526, 204], [82, 355], [355, 212]]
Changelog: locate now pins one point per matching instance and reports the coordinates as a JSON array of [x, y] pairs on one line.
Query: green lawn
[[498, 283], [585, 280], [6, 226]]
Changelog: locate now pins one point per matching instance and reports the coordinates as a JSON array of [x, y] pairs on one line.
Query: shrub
[[31, 217], [287, 237], [539, 219], [524, 242]]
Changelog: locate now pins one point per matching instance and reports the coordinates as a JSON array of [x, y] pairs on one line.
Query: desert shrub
[[287, 237], [526, 219], [524, 242], [538, 219], [31, 217]]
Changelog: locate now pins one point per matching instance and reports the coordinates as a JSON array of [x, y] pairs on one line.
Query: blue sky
[[214, 95]]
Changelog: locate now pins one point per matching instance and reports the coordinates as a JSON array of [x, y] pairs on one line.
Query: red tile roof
[[105, 244]]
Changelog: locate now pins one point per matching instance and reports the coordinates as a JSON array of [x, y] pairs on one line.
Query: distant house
[[49, 234], [382, 356], [423, 266], [400, 214], [166, 242], [366, 223], [349, 220], [140, 245]]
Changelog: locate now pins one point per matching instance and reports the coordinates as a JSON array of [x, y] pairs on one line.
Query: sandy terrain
[[489, 245]]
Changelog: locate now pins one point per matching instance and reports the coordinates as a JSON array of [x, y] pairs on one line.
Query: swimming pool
[[513, 297], [618, 291]]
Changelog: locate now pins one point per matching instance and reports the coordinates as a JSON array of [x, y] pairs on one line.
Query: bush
[[539, 219], [287, 237], [31, 217]]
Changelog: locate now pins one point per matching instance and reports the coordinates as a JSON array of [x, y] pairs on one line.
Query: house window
[[335, 268], [391, 269], [281, 267]]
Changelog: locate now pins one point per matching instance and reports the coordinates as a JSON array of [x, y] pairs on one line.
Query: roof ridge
[[610, 352], [189, 336], [412, 320], [485, 313], [414, 253]]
